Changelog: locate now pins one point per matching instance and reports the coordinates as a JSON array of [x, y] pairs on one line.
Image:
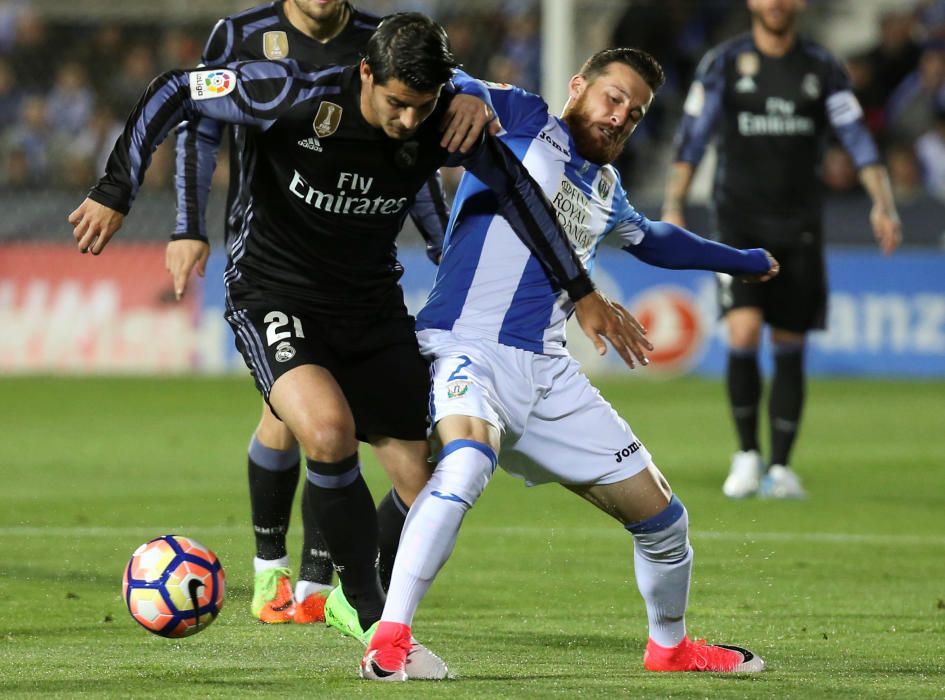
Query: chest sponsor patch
[[207, 84]]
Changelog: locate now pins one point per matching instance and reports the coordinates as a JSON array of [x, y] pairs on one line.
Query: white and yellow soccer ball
[[173, 586]]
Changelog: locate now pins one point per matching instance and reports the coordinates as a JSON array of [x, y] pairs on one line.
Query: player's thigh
[[312, 405], [387, 382], [574, 436], [291, 362], [633, 500]]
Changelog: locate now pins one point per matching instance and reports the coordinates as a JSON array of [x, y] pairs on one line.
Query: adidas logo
[[312, 144]]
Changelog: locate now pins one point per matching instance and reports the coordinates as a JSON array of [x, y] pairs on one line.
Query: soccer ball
[[173, 586]]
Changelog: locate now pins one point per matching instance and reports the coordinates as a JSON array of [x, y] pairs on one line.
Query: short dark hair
[[643, 63], [412, 48]]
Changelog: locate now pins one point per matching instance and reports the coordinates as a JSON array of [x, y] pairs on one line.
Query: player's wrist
[[579, 287]]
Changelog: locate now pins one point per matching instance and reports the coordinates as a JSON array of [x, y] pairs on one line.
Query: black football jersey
[[327, 193], [771, 116]]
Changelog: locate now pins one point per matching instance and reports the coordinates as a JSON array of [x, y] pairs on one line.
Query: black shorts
[[795, 300], [375, 361]]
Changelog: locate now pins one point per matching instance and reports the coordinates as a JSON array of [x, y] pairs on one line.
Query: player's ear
[[576, 86], [367, 76]]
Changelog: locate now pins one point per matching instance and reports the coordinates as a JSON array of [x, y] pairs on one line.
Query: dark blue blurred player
[[314, 32], [312, 284], [771, 97]]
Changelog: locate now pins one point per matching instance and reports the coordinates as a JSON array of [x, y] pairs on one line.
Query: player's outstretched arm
[[663, 244], [599, 316], [171, 98], [93, 225], [180, 259]]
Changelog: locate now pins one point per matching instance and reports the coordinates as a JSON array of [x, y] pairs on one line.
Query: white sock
[[433, 523], [303, 589], [263, 564], [665, 591], [662, 564]]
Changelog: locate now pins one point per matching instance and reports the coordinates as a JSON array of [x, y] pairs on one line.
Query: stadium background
[[70, 71]]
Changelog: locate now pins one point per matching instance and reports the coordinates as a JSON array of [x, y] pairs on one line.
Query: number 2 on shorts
[[456, 375]]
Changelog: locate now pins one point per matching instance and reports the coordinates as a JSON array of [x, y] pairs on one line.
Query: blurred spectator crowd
[[66, 87]]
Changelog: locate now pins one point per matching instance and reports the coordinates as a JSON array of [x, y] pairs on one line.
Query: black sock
[[316, 562], [787, 399], [391, 514], [271, 493], [744, 393], [347, 519]]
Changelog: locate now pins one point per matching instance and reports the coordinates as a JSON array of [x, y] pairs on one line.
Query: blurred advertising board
[[116, 313]]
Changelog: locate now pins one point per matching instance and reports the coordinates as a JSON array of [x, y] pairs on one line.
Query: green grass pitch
[[844, 594]]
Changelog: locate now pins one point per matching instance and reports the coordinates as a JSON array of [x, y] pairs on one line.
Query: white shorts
[[555, 426]]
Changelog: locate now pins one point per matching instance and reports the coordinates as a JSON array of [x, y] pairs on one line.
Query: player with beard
[[505, 390], [314, 32], [772, 97]]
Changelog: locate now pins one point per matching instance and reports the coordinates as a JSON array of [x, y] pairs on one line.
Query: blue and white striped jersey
[[489, 284]]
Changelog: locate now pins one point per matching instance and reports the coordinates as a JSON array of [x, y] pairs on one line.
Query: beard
[[786, 25], [590, 142]]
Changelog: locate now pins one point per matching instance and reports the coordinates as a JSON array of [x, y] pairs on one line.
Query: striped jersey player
[[505, 391]]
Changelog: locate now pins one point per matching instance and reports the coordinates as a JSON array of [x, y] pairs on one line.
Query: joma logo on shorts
[[627, 451]]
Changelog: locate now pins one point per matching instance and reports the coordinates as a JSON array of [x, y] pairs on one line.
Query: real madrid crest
[[327, 119], [275, 45], [284, 351], [406, 155], [810, 86]]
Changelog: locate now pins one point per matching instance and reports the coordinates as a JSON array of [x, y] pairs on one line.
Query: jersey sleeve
[[198, 141], [529, 213], [701, 109], [430, 214], [846, 117], [669, 246], [253, 93], [517, 109]]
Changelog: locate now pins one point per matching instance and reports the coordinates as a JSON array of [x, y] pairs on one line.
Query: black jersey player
[[312, 285], [313, 32], [771, 97]]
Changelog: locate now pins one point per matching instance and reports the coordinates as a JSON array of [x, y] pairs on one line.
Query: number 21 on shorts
[[275, 321]]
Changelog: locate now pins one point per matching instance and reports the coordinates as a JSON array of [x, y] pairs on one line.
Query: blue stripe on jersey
[[260, 24], [530, 311]]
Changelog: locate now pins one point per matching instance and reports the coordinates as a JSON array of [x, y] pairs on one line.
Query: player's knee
[[328, 441], [665, 536], [463, 471], [333, 475]]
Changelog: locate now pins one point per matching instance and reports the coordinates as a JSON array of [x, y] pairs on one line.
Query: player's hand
[[93, 226], [774, 267], [181, 257], [599, 316], [886, 228], [464, 121]]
